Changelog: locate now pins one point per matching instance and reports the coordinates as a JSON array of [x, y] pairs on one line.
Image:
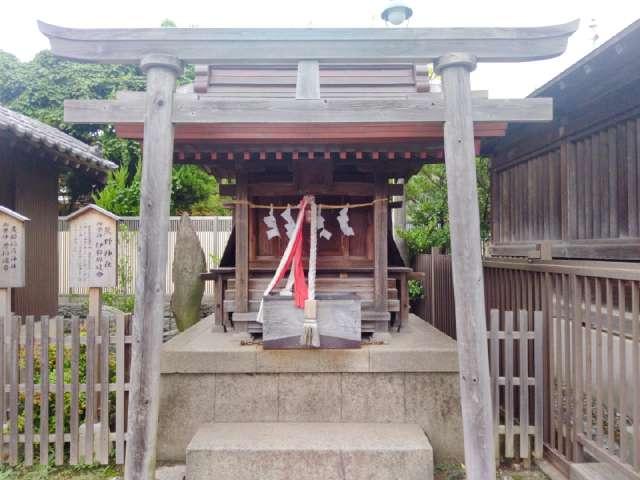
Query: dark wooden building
[[32, 155], [575, 182]]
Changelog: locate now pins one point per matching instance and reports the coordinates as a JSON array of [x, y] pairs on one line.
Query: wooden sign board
[[339, 322], [93, 256], [12, 249]]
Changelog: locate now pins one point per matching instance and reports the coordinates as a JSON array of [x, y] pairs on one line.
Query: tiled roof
[[36, 132]]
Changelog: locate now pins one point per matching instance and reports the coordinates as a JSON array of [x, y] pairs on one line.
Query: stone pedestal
[[209, 377]]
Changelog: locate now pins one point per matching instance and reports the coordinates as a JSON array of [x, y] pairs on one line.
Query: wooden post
[[399, 216], [380, 257], [5, 309], [161, 71], [241, 224], [464, 221]]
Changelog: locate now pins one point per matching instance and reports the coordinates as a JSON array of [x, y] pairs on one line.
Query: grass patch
[[76, 472]]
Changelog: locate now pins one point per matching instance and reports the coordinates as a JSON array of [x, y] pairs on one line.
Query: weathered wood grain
[[241, 226], [464, 220], [196, 109], [59, 434], [274, 45], [152, 263], [90, 410], [14, 378], [28, 391], [44, 390], [380, 243], [74, 420], [308, 81]]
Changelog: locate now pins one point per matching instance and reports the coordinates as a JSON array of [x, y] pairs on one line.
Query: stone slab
[[417, 348], [186, 402], [433, 402], [200, 350], [309, 397], [309, 451], [376, 397], [594, 471], [246, 397]]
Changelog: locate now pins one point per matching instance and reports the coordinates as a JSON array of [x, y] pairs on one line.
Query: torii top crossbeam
[[161, 54], [220, 45]]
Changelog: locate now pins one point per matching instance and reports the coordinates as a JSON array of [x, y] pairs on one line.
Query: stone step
[[310, 451], [594, 471]]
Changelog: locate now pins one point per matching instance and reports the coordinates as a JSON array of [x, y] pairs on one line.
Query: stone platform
[[210, 377], [309, 451]]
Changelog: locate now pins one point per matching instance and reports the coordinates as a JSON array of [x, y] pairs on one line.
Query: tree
[[38, 89], [428, 210]]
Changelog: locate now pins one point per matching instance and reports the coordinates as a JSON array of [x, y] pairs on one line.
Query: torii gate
[[161, 53]]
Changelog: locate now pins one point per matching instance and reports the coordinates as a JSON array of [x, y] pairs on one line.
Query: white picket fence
[[213, 233]]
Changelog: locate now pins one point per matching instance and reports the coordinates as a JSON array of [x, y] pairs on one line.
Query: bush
[[51, 368], [428, 209]]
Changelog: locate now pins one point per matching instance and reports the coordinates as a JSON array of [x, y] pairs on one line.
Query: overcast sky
[[20, 36]]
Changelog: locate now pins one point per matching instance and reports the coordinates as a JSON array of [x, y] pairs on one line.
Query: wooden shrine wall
[[338, 252], [576, 185]]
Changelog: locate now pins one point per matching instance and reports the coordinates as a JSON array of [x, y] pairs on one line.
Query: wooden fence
[[591, 348], [517, 390], [591, 353], [65, 389], [213, 233], [437, 306]]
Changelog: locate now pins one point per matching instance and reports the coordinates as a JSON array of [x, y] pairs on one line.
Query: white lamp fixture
[[397, 12]]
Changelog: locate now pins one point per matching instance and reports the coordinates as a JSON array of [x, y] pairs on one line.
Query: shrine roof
[[36, 132]]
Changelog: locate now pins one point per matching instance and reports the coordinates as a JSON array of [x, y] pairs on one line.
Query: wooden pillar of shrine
[[380, 242], [161, 71], [466, 257], [241, 225]]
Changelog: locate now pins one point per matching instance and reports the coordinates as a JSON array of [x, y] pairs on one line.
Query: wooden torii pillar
[[160, 111], [162, 72], [466, 259]]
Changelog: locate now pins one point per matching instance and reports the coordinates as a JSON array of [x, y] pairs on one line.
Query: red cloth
[[301, 291]]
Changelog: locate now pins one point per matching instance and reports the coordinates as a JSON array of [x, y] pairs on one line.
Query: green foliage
[[416, 289], [38, 89], [65, 472], [51, 368], [192, 191], [428, 210], [119, 297]]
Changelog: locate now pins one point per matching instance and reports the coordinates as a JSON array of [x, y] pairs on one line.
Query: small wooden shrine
[[361, 166]]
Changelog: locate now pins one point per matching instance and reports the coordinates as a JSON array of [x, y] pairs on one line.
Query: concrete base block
[[309, 451], [594, 471]]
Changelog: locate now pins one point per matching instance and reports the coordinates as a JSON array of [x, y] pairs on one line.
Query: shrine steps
[[310, 451]]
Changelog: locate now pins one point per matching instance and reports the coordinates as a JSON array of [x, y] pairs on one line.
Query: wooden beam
[[308, 81], [195, 109], [466, 258], [289, 45], [162, 72]]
